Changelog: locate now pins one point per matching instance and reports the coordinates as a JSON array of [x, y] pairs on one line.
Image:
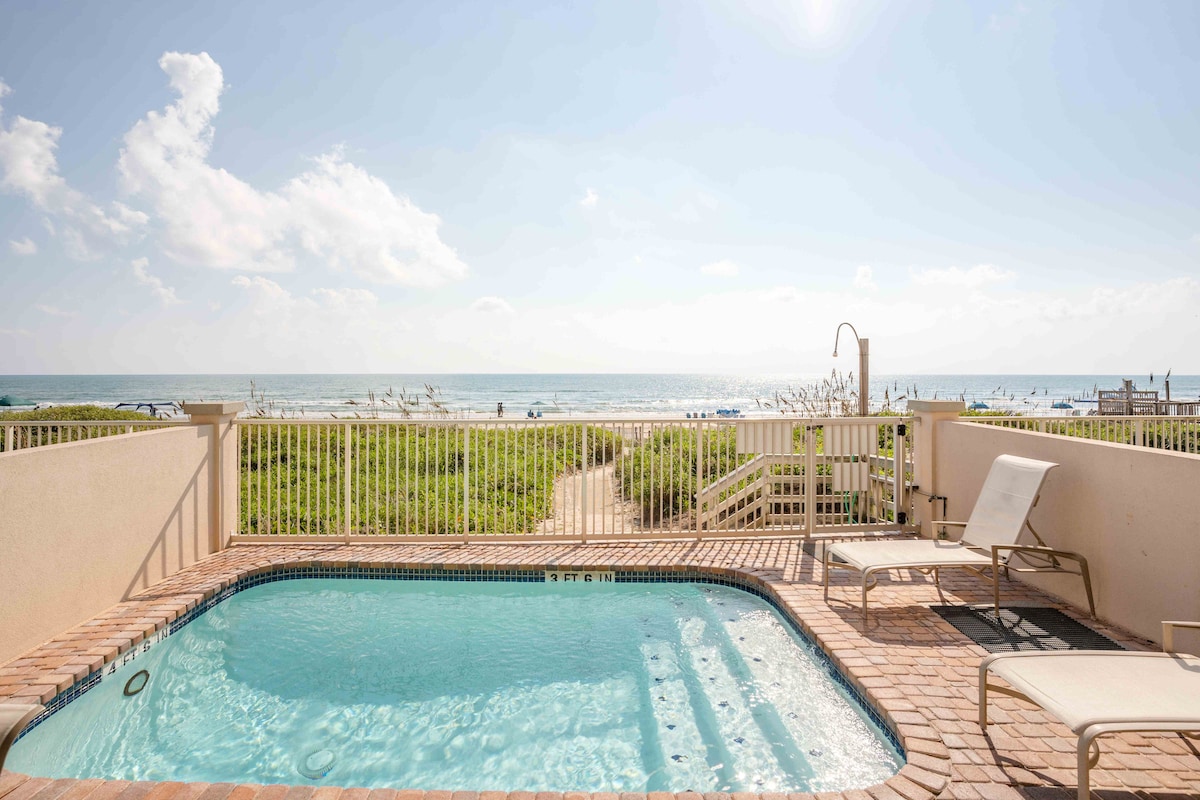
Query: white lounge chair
[[1099, 692], [989, 538]]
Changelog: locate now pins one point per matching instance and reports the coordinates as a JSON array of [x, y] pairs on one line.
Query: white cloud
[[23, 247], [29, 167], [208, 216], [353, 221], [724, 269], [864, 279], [1140, 300], [300, 332], [781, 294], [15, 331], [264, 327], [165, 294], [54, 311], [590, 199], [347, 301], [999, 332], [974, 277], [492, 305], [335, 211], [269, 298]]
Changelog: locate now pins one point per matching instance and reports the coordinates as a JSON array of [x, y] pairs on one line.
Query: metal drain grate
[[1022, 628]]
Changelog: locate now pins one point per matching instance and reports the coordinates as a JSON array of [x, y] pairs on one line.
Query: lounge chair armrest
[[937, 522], [1049, 553], [1036, 548], [1169, 627]]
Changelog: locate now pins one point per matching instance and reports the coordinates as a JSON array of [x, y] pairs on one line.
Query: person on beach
[[499, 409]]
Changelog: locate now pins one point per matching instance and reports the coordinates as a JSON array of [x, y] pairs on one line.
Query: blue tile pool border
[[511, 575]]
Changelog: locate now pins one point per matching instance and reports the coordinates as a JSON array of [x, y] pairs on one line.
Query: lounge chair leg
[[865, 589], [1087, 584], [825, 577], [1086, 759], [996, 581], [983, 700]]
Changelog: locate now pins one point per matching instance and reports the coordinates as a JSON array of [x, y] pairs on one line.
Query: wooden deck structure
[[1128, 401]]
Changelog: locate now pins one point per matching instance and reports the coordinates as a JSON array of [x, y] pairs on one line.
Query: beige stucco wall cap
[[936, 405], [213, 409]]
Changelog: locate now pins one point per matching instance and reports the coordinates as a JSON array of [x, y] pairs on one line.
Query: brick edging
[[53, 667]]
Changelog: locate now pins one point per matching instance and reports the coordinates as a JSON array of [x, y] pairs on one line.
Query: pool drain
[[136, 682], [316, 764]]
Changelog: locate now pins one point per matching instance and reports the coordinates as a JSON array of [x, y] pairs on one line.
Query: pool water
[[475, 686]]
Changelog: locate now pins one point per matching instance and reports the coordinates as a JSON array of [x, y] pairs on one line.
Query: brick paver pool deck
[[919, 672]]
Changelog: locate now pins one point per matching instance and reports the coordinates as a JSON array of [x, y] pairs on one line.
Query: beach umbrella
[[1062, 405], [9, 400], [978, 406]]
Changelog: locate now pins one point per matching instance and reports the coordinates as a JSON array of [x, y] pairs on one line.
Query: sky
[[615, 186]]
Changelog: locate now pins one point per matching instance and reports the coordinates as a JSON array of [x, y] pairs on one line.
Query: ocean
[[573, 394]]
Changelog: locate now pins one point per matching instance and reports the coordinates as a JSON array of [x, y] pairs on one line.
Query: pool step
[[801, 704], [736, 711], [684, 754], [752, 641]]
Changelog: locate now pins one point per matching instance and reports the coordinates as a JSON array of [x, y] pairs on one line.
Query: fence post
[[466, 498], [224, 479], [899, 487], [810, 477], [8, 438], [346, 505], [1139, 433], [583, 503], [699, 479]]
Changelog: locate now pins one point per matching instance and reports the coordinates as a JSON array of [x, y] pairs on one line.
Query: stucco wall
[[1131, 511], [87, 524]]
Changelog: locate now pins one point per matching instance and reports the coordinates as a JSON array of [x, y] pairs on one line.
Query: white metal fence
[[1174, 433], [23, 435], [434, 480]]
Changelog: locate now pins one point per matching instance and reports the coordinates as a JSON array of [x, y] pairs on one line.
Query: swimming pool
[[474, 685]]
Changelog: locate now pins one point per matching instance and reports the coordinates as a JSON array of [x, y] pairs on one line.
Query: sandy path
[[604, 512]]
